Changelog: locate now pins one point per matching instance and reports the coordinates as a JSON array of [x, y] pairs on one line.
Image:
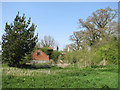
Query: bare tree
[[48, 41]]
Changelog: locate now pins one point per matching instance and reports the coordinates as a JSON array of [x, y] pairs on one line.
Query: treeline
[[97, 40]]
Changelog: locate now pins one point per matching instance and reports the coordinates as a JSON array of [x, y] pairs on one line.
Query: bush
[[109, 51], [83, 57], [45, 50], [105, 50], [55, 55]]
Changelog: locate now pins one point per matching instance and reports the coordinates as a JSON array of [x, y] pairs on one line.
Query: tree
[[55, 54], [71, 47], [57, 48], [98, 25], [37, 45], [96, 33], [109, 51], [18, 40], [48, 41], [79, 40], [76, 38]]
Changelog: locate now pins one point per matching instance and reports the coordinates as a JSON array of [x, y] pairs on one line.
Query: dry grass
[[23, 72], [29, 72]]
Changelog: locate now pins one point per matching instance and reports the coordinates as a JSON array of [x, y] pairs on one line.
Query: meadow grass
[[56, 77]]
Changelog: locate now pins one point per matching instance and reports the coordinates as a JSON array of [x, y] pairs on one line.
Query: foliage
[[101, 24], [97, 33], [109, 51], [27, 57], [45, 50], [18, 40], [55, 54], [83, 58], [79, 40], [93, 56]]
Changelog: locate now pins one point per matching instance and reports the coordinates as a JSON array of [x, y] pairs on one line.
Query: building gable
[[39, 55]]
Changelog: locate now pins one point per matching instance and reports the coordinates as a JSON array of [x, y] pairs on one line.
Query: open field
[[55, 77]]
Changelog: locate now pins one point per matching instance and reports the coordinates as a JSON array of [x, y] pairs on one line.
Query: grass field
[[54, 77]]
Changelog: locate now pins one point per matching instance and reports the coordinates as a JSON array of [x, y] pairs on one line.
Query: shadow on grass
[[25, 66], [42, 67], [95, 66], [35, 66]]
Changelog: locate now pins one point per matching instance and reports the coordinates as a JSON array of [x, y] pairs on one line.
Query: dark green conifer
[[18, 40]]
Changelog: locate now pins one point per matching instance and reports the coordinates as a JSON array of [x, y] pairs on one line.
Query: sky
[[57, 19]]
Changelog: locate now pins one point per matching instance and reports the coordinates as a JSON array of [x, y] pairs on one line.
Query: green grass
[[55, 77]]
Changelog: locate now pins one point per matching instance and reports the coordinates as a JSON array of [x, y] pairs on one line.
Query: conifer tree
[[57, 48], [18, 40]]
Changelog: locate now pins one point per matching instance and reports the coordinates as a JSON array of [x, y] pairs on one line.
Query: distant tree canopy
[[100, 25], [97, 39], [18, 40]]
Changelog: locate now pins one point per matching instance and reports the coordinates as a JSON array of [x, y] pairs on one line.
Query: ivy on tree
[[18, 40]]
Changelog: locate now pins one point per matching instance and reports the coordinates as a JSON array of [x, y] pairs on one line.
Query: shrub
[[45, 50], [109, 51], [55, 55]]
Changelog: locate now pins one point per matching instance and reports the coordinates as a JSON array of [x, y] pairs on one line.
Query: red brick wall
[[42, 55]]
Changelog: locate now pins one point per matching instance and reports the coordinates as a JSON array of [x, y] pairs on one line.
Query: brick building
[[40, 57]]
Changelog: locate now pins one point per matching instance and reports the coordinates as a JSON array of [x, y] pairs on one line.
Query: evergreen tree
[[57, 48], [18, 40]]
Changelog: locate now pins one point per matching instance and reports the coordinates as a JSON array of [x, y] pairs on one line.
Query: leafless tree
[[48, 41]]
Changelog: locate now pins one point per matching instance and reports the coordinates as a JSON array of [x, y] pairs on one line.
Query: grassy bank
[[95, 77]]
